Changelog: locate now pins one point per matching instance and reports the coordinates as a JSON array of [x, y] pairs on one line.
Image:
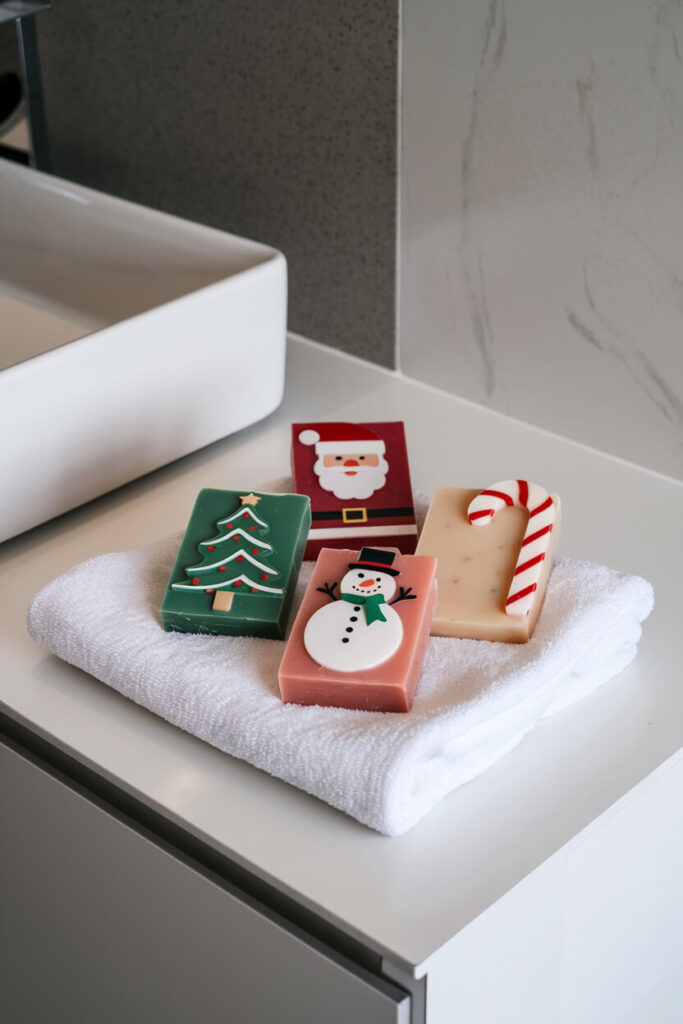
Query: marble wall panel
[[541, 195]]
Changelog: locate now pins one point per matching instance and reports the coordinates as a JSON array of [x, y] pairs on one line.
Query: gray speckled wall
[[274, 119]]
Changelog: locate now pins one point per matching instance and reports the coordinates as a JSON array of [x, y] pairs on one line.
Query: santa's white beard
[[365, 481]]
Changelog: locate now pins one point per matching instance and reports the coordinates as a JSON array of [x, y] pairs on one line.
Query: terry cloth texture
[[475, 699]]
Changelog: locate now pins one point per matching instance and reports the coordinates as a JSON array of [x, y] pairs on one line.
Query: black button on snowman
[[361, 629]]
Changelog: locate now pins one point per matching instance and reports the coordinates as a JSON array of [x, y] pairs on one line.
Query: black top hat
[[376, 561]]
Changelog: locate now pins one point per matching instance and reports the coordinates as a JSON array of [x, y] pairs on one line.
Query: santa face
[[365, 583], [355, 475]]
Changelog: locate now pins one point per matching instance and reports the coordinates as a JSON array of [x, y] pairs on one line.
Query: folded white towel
[[474, 703]]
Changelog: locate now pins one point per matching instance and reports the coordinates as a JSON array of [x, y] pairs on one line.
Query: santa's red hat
[[335, 438]]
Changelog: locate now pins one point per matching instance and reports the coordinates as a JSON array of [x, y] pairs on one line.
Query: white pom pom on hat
[[341, 437], [309, 436]]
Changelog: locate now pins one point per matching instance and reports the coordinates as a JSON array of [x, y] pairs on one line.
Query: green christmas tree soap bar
[[238, 563]]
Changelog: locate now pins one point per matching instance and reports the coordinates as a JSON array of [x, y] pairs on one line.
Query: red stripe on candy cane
[[484, 512], [536, 540], [499, 494], [539, 533], [527, 565], [541, 508], [527, 592]]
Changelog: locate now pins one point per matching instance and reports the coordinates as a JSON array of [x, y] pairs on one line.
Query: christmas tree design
[[235, 561]]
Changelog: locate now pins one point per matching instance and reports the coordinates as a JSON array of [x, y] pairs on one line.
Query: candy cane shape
[[536, 540]]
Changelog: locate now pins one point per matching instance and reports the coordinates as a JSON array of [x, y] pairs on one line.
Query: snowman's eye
[[378, 579], [361, 575]]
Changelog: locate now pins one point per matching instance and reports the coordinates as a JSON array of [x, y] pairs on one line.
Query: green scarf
[[372, 603]]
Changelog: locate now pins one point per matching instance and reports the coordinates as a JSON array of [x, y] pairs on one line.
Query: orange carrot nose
[[367, 583]]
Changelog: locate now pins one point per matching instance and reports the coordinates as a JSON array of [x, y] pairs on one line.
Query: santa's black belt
[[359, 514]]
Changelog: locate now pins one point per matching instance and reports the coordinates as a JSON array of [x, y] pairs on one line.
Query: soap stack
[[478, 570]]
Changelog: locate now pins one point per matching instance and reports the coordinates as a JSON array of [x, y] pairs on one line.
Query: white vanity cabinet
[[102, 921], [105, 920]]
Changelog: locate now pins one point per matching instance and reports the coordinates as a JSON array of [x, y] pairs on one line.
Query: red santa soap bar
[[358, 480], [361, 632]]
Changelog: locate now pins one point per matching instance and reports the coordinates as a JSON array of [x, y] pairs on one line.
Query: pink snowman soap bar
[[361, 632]]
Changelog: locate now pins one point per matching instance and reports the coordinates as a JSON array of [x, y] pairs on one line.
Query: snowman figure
[[360, 629]]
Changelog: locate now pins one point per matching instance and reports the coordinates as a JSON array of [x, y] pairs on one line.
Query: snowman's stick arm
[[404, 595], [328, 590]]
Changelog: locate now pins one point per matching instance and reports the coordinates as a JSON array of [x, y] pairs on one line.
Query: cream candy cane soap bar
[[237, 566], [361, 632], [495, 550]]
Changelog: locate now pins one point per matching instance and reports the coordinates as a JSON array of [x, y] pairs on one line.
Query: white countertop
[[405, 896]]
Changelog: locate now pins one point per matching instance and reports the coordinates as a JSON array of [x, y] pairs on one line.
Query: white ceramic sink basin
[[128, 338]]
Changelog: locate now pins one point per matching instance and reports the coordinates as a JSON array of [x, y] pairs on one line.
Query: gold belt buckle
[[355, 515]]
